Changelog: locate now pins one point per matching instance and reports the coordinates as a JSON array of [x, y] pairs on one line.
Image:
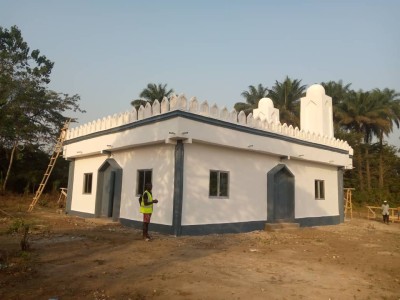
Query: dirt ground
[[76, 258]]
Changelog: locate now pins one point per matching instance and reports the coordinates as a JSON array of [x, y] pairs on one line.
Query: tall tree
[[286, 97], [390, 100], [252, 96], [366, 114], [337, 90], [151, 93], [30, 113]]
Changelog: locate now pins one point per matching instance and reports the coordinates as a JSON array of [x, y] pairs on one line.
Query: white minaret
[[316, 111], [266, 111]]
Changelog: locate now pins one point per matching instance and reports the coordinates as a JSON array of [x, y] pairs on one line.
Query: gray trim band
[[70, 187], [340, 194], [178, 188], [217, 228]]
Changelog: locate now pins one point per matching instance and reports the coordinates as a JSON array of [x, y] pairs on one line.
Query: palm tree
[[336, 90], [339, 93], [151, 93], [286, 96], [368, 115], [252, 96], [391, 100]]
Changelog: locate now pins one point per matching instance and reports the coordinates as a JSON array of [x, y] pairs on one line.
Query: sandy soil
[[76, 258]]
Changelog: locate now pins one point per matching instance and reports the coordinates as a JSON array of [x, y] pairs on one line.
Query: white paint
[[247, 199], [85, 202], [305, 175], [160, 159], [316, 112], [316, 118], [247, 154], [266, 111]]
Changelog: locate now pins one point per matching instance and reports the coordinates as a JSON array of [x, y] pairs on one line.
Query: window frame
[[140, 190], [218, 195], [319, 189], [87, 183]]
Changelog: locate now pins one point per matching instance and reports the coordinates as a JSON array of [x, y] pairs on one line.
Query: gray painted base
[[79, 214], [217, 228], [229, 227], [166, 229], [318, 221]]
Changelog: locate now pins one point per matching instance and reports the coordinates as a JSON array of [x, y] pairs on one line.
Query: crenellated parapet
[[265, 117]]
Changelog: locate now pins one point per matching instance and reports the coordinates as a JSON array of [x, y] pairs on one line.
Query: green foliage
[[336, 90], [25, 255], [17, 225], [151, 93], [252, 96], [359, 118], [286, 97], [30, 113], [28, 171]]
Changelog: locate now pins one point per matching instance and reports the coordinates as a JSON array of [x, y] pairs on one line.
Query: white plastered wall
[[85, 202], [305, 175], [160, 159], [247, 199]]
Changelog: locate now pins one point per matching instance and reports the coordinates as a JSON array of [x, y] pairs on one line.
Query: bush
[[20, 226]]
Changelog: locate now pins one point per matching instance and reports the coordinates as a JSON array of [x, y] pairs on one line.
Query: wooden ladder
[[348, 205], [56, 152]]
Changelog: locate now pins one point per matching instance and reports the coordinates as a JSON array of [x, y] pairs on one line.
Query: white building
[[213, 171]]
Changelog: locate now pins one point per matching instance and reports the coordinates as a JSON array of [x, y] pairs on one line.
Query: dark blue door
[[280, 194]]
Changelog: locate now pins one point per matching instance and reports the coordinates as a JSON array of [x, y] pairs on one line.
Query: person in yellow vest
[[146, 208]]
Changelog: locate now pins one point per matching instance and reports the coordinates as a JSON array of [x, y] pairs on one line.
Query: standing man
[[385, 212], [146, 208]]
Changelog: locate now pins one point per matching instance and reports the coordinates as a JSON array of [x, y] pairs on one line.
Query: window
[[87, 183], [143, 176], [319, 189], [219, 184]]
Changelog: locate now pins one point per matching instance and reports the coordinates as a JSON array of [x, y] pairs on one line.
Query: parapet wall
[[193, 106]]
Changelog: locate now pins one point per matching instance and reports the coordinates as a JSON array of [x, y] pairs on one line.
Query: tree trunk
[[381, 161], [367, 168], [3, 188], [381, 170], [360, 171]]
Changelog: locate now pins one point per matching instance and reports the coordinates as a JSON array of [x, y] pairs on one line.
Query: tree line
[[31, 116], [364, 119]]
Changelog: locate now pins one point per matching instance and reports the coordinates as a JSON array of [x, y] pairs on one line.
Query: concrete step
[[281, 226]]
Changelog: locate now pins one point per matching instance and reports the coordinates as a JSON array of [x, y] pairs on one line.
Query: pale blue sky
[[107, 51]]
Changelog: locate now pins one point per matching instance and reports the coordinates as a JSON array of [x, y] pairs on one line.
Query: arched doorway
[[280, 194], [108, 196]]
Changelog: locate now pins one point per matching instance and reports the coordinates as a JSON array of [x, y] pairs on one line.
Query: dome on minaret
[[265, 103], [315, 90]]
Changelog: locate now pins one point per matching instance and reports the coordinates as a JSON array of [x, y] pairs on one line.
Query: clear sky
[[108, 51]]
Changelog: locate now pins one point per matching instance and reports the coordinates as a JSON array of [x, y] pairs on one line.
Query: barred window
[[219, 184], [319, 189], [87, 183], [143, 177]]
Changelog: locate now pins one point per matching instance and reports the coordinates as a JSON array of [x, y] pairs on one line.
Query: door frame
[[111, 164], [273, 194]]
